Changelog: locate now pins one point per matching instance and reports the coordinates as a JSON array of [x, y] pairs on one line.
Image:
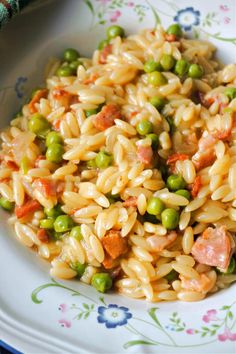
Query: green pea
[[53, 138], [102, 282], [79, 268], [90, 112], [65, 71], [115, 31], [167, 62], [155, 206], [175, 29], [91, 163], [76, 233], [152, 65], [63, 223], [70, 55], [47, 223], [170, 218], [195, 71], [25, 165], [230, 92], [175, 182], [74, 65], [158, 102], [6, 204], [103, 44], [103, 159], [53, 212], [155, 140], [38, 125], [54, 153], [173, 275], [144, 127], [184, 193], [181, 67], [157, 79]]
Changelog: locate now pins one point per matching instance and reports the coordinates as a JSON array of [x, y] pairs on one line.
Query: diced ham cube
[[12, 165], [201, 285], [93, 77], [64, 98], [176, 157], [107, 50], [114, 244], [159, 243], [131, 201], [43, 236], [109, 262], [29, 207], [213, 247], [206, 153], [47, 187], [196, 186], [145, 154], [37, 96], [106, 118]]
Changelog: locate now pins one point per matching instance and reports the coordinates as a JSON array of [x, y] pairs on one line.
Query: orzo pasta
[[121, 170]]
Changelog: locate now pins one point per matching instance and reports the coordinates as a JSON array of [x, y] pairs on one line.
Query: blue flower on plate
[[187, 18], [20, 86], [113, 315]]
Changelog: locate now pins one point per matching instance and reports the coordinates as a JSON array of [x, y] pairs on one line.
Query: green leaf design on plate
[[155, 14], [34, 295], [137, 342], [152, 314], [86, 315], [90, 6], [225, 308]]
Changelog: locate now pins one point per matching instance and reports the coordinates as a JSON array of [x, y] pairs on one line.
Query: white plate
[[40, 315]]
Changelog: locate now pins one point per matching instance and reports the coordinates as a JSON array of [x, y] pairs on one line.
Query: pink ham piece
[[106, 118], [20, 144], [130, 202], [201, 285], [145, 154], [206, 153], [158, 243], [107, 50], [47, 187], [213, 247]]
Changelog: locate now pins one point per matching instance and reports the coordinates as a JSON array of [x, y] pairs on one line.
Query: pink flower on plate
[[62, 308], [227, 335], [210, 316], [130, 4], [65, 323], [224, 8], [226, 20], [190, 331], [115, 15]]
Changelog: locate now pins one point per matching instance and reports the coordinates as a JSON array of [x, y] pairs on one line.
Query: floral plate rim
[[224, 334]]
